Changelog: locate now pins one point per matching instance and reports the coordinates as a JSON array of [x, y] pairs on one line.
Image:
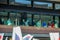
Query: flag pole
[[6, 38], [16, 21]]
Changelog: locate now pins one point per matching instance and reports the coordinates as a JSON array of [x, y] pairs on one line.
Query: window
[[57, 6], [21, 2], [3, 14], [54, 0], [11, 1], [42, 5], [3, 1]]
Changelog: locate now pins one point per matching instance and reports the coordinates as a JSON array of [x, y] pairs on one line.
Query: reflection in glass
[[43, 5], [23, 1], [25, 19], [57, 6], [20, 2]]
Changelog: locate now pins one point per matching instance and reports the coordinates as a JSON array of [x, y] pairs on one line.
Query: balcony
[[37, 32]]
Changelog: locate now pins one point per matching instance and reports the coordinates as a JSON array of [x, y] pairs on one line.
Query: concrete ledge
[[30, 29], [38, 32]]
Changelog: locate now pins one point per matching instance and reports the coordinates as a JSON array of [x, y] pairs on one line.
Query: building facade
[[40, 14]]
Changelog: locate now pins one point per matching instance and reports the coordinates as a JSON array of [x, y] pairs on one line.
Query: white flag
[[54, 36], [27, 37], [17, 34], [1, 36]]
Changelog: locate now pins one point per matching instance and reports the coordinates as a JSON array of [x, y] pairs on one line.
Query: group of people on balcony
[[28, 22], [40, 23]]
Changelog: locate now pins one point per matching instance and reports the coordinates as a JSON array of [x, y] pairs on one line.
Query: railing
[[37, 32], [30, 29]]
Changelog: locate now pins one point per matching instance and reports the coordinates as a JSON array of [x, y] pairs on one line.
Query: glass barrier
[[28, 19]]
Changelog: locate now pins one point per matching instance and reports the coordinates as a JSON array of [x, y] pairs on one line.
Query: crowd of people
[[28, 22]]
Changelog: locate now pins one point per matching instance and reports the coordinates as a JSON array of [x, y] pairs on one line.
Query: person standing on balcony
[[38, 24], [9, 22], [23, 22], [49, 23], [44, 24], [1, 21], [26, 22], [52, 24], [56, 24]]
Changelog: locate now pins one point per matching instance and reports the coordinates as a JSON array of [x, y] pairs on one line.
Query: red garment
[[52, 25], [58, 38], [0, 36]]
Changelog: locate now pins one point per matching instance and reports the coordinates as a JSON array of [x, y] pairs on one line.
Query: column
[[54, 15], [59, 21], [7, 2], [32, 19], [31, 3], [8, 15]]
